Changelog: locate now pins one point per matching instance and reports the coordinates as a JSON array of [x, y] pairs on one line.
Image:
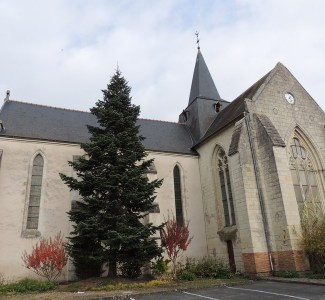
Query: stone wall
[[56, 198]]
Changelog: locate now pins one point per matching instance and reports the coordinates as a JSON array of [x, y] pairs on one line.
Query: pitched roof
[[202, 82], [233, 111], [32, 121]]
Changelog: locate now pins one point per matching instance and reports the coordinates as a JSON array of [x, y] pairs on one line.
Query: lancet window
[[225, 185], [178, 195], [35, 193], [303, 173]]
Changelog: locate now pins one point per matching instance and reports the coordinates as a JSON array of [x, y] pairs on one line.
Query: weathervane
[[197, 40]]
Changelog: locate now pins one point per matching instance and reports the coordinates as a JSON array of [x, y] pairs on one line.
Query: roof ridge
[[76, 110], [49, 106], [257, 84]]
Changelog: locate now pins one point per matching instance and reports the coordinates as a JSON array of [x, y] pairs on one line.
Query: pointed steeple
[[202, 82], [204, 103]]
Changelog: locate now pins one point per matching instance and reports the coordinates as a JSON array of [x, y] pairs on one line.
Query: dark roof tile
[[202, 83], [32, 121]]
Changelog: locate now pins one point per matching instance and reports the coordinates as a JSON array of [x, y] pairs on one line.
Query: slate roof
[[232, 111], [32, 121], [202, 83]]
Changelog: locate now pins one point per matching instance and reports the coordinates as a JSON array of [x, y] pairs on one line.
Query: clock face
[[290, 98]]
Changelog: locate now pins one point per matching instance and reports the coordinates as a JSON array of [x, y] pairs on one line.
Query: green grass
[[134, 285], [26, 286]]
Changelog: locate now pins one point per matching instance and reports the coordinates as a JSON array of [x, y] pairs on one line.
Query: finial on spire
[[197, 40]]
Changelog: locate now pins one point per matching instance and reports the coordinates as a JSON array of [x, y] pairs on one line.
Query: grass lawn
[[103, 287]]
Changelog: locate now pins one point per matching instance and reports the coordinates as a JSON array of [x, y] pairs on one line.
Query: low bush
[[316, 276], [286, 274], [26, 286], [206, 268], [159, 267], [186, 275], [313, 234], [48, 257]]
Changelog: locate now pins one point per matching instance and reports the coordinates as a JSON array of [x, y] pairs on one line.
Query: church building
[[238, 172]]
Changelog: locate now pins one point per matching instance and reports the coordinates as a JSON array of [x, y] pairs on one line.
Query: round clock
[[290, 98]]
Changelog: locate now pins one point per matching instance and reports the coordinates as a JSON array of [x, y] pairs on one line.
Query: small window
[[217, 107], [152, 168], [155, 209], [35, 193], [185, 115], [2, 127]]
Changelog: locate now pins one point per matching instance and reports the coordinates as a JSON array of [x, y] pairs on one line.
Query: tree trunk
[[174, 267], [112, 269]]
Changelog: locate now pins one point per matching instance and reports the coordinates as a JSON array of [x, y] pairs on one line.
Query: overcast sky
[[63, 53]]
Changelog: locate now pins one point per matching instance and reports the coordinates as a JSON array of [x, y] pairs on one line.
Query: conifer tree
[[115, 192]]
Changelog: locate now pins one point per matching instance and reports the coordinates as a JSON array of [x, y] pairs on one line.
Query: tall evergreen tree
[[115, 191]]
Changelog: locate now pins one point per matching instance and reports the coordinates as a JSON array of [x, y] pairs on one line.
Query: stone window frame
[[33, 232], [178, 184], [304, 170], [224, 186]]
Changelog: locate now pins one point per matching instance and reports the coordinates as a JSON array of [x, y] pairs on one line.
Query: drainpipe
[[259, 191]]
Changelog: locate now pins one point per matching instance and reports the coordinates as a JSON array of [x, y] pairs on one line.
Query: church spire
[[202, 82], [204, 102]]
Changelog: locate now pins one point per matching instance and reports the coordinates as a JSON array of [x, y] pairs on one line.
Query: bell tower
[[204, 101]]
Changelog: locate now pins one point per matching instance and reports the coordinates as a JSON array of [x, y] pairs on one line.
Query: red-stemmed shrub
[[47, 258], [175, 238]]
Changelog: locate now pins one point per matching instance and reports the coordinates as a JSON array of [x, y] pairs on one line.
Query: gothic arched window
[[178, 195], [35, 193], [303, 173], [225, 185]]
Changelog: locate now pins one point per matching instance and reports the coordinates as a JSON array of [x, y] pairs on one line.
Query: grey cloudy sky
[[62, 53]]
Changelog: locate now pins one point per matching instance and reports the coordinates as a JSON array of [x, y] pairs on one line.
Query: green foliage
[[131, 269], [115, 192], [206, 268], [316, 276], [313, 234], [187, 275], [26, 286], [160, 266], [286, 274]]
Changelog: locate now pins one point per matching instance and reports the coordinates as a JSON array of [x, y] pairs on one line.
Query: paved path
[[256, 291]]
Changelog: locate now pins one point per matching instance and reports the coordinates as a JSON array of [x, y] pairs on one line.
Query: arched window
[[178, 195], [35, 193], [303, 173], [225, 185]]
